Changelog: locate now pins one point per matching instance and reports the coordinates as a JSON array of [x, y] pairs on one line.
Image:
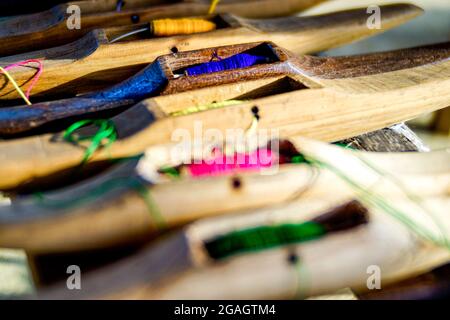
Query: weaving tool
[[120, 215], [51, 28], [374, 93]]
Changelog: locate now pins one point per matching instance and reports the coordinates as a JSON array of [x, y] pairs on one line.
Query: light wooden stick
[[340, 102], [122, 215]]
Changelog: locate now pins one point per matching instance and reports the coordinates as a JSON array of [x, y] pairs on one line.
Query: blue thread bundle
[[241, 60]]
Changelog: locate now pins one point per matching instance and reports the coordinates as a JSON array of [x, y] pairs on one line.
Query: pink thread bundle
[[222, 164], [35, 77]]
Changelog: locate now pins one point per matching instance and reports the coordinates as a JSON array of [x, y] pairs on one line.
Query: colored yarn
[[379, 202], [170, 171], [213, 6], [107, 130], [214, 105], [261, 238], [102, 189], [26, 96], [300, 158], [238, 61], [171, 27], [222, 164]]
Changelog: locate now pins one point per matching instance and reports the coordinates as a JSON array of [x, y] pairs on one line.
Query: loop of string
[[107, 130], [25, 96]]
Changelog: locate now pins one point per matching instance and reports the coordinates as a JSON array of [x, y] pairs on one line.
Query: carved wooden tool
[[93, 62], [324, 98], [52, 28], [357, 237], [117, 213]]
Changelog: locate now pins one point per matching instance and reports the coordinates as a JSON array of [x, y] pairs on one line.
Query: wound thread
[[344, 217], [171, 27]]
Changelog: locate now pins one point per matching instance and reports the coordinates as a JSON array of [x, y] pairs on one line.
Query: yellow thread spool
[[171, 27]]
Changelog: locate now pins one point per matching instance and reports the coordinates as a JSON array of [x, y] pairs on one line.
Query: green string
[[170, 171], [413, 197], [261, 238], [101, 190], [106, 130]]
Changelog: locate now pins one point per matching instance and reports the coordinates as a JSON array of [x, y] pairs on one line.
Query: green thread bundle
[[261, 238], [106, 130]]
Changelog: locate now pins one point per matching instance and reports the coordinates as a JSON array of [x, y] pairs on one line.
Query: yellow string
[[16, 86], [171, 27], [213, 6]]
